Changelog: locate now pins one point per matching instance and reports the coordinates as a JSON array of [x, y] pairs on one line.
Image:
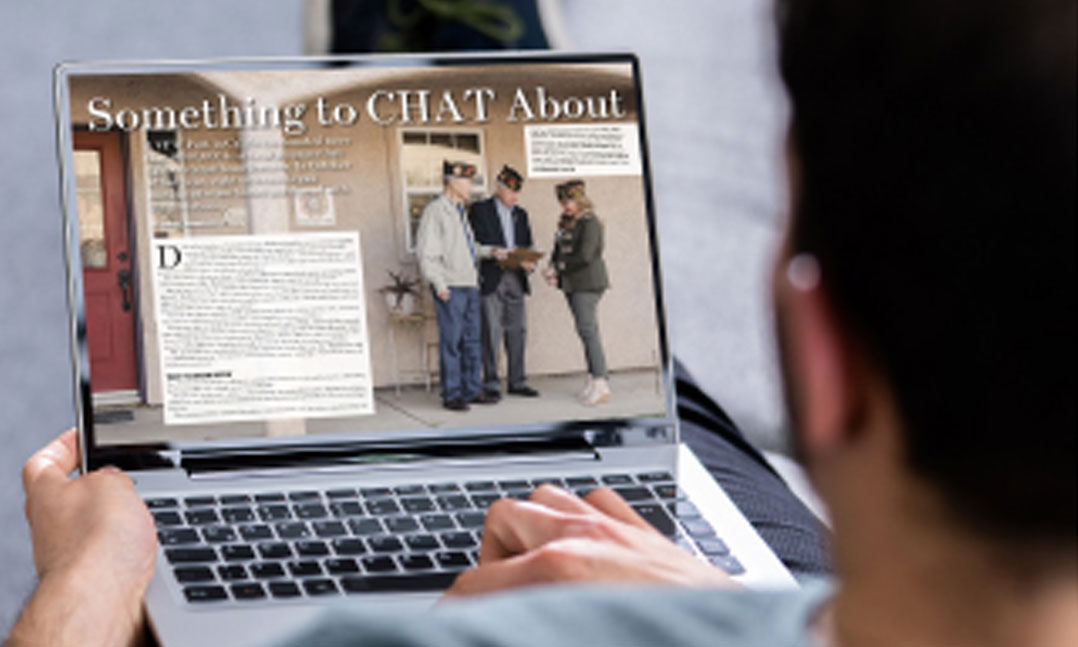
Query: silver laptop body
[[251, 343]]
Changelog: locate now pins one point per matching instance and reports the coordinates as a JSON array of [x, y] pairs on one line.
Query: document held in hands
[[520, 255]]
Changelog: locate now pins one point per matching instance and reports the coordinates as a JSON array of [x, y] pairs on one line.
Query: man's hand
[[551, 276], [500, 253], [527, 266], [557, 537], [444, 295], [94, 547]]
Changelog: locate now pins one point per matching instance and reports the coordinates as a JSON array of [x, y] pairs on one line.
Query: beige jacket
[[442, 247]]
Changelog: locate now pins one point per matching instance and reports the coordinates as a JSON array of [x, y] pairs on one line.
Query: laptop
[[253, 341]]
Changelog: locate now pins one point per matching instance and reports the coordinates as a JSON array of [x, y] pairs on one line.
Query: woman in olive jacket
[[577, 268]]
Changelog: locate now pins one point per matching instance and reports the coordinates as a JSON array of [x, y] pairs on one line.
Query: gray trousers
[[503, 319], [585, 306]]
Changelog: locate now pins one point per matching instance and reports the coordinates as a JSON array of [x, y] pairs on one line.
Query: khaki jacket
[[578, 256], [442, 247]]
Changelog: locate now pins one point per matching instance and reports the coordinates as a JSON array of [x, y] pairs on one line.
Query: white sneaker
[[600, 392]]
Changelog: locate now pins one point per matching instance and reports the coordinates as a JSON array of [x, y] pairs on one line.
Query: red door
[[108, 282]]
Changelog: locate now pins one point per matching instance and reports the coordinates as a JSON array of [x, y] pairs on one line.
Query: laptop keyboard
[[284, 545]]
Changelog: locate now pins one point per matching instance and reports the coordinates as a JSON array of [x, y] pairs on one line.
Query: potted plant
[[401, 294]]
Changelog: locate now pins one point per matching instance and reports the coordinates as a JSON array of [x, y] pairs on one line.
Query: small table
[[413, 320]]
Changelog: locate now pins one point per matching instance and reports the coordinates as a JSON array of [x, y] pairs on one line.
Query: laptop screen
[[357, 248]]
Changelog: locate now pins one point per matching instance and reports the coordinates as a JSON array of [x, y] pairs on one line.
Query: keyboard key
[[381, 507], [349, 546], [416, 505], [698, 528], [668, 491], [315, 587], [177, 536], [471, 519], [401, 525], [365, 526], [385, 544], [248, 591], [635, 493], [375, 492], [293, 530], [311, 548], [346, 509], [514, 485], [480, 486], [234, 499], [422, 542], [581, 481], [163, 502], [442, 488], [306, 495], [274, 550], [453, 559], [256, 532], [183, 555], [304, 569], [238, 515], [341, 493], [193, 574], [616, 479], [583, 491], [655, 477], [454, 502], [269, 497], [520, 495], [205, 593], [265, 570], [341, 566], [218, 534], [458, 540], [203, 516], [398, 583], [274, 512], [549, 480], [484, 500], [232, 572], [406, 490], [656, 515], [284, 589], [167, 518], [237, 552], [200, 501], [684, 510], [729, 564], [434, 522], [329, 528], [418, 562], [310, 511], [713, 546], [379, 564]]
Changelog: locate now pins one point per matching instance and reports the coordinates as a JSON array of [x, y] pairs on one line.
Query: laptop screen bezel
[[167, 453]]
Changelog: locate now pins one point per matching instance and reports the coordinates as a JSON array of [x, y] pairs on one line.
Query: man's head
[[458, 178], [508, 185], [932, 155]]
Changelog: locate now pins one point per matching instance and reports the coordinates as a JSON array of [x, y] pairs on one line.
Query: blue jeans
[[459, 355]]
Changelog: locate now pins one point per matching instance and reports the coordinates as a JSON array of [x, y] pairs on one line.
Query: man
[[498, 221], [926, 313], [448, 254]]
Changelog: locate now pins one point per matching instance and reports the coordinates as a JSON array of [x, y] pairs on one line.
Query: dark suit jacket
[[487, 228]]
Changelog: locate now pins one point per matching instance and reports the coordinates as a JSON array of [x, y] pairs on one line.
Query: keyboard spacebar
[[398, 583]]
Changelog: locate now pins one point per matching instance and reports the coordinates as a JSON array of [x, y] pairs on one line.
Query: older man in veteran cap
[[500, 222], [448, 257]]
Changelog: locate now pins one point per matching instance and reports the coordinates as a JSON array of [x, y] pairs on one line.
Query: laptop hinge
[[364, 456]]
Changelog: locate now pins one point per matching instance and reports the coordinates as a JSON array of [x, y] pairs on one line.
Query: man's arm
[[94, 547]]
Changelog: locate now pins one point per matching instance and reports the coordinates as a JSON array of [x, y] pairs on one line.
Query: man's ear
[[819, 358]]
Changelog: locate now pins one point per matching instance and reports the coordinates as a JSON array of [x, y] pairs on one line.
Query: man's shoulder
[[482, 207]]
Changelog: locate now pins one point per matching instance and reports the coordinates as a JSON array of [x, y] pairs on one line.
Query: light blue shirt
[[585, 616], [505, 214]]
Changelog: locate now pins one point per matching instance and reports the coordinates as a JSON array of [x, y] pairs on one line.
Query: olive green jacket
[[578, 256]]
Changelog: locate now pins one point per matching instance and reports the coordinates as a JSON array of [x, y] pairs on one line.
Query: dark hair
[[935, 142]]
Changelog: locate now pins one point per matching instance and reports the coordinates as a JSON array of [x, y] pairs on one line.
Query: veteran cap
[[509, 177], [458, 169], [571, 190]]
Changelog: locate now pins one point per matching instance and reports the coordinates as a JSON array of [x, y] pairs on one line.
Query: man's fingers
[[559, 499], [515, 527], [53, 461], [610, 502]]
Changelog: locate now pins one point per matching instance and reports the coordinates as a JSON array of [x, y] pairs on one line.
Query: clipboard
[[518, 256]]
